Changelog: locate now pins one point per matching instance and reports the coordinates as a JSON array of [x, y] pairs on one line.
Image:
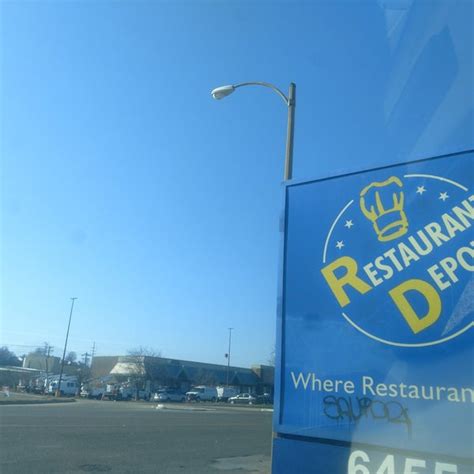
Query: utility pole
[[58, 390], [228, 355], [92, 353], [47, 349], [86, 358]]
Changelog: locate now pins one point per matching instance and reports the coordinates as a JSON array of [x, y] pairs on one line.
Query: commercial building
[[42, 362], [160, 371]]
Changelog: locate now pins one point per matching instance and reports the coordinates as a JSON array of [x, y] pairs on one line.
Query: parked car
[[265, 399], [92, 393], [125, 393], [128, 393], [201, 393], [224, 393], [169, 395], [38, 389], [245, 398]]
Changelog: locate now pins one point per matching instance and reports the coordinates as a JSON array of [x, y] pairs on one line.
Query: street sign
[[375, 323]]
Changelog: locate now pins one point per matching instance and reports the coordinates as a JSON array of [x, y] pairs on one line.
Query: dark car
[[265, 399]]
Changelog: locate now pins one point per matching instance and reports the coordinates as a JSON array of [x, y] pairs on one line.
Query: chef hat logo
[[382, 203]]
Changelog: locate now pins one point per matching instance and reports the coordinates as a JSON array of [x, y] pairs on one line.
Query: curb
[[160, 406], [36, 402]]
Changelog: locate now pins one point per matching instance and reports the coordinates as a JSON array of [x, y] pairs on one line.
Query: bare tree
[[143, 351], [71, 357], [40, 351], [271, 359], [7, 357], [142, 366], [83, 373]]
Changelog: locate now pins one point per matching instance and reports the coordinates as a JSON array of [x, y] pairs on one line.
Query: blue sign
[[377, 312]]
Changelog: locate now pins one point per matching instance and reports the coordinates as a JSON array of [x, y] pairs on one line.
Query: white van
[[201, 393], [94, 392], [69, 386], [224, 393]]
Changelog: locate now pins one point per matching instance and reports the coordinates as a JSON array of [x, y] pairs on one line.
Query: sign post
[[375, 322]]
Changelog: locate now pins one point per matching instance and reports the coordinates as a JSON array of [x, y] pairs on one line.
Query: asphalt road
[[127, 437]]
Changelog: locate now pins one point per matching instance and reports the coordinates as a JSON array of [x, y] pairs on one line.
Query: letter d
[[416, 322]]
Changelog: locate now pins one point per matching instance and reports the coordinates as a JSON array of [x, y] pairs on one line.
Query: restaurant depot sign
[[400, 255]]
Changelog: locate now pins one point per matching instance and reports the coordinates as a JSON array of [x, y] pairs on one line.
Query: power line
[[36, 346]]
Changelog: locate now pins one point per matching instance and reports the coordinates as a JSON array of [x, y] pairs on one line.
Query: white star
[[349, 224], [443, 196], [340, 244], [420, 190]]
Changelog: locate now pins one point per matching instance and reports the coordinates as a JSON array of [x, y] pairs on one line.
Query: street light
[[58, 391], [220, 92], [223, 91], [228, 355]]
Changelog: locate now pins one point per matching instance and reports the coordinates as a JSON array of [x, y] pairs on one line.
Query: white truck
[[92, 392], [69, 386], [224, 393], [201, 393]]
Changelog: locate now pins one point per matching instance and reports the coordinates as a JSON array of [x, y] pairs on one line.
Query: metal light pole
[[290, 101], [228, 355], [47, 350], [58, 390]]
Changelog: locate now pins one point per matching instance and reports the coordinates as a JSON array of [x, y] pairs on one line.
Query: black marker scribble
[[355, 408]]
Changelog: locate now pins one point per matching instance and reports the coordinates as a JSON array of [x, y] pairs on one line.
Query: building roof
[[41, 362], [102, 366], [173, 369], [128, 368]]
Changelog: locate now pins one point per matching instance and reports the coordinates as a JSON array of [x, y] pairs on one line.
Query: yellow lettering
[[349, 278], [416, 322]]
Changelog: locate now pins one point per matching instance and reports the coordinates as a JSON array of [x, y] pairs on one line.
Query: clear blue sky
[[126, 185]]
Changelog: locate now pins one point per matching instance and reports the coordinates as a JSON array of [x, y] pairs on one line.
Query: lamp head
[[220, 92]]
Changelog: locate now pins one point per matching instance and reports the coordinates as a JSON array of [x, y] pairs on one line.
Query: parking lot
[[134, 437]]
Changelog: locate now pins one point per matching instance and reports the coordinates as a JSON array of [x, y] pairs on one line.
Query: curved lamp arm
[[220, 92], [265, 84]]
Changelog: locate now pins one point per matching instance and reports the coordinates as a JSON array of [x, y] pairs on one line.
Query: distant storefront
[[160, 371]]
